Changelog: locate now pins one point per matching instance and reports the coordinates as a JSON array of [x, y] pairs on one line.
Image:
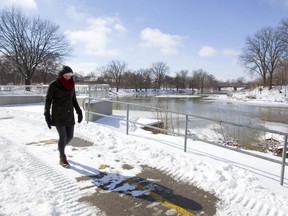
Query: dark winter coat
[[62, 102]]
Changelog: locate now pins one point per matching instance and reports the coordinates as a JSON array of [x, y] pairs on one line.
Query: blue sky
[[185, 34]]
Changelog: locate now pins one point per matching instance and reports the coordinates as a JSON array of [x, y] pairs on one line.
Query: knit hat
[[65, 70]]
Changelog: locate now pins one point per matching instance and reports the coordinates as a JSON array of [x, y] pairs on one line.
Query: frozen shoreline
[[268, 98]]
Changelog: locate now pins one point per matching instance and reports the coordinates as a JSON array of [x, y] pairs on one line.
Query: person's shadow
[[137, 187]]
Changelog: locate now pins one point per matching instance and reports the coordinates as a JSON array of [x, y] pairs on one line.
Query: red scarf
[[68, 84]]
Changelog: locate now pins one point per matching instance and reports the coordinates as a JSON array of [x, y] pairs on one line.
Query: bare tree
[[240, 81], [48, 69], [168, 82], [281, 74], [177, 81], [5, 71], [283, 28], [211, 81], [129, 80], [26, 42], [159, 70], [283, 70], [142, 78], [147, 78], [199, 77], [114, 71], [263, 53], [181, 79]]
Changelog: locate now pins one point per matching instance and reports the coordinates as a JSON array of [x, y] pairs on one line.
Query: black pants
[[65, 136]]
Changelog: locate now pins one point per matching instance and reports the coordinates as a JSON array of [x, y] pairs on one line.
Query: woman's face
[[67, 76]]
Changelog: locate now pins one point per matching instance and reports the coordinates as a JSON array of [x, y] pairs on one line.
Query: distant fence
[[27, 90], [95, 90], [21, 94], [186, 135]]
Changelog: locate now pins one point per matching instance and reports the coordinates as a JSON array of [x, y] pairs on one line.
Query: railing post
[[127, 121], [186, 133], [89, 95], [283, 160]]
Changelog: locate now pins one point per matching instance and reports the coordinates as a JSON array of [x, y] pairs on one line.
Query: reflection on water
[[221, 110]]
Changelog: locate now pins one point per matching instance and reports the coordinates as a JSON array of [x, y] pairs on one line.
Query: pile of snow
[[262, 94], [259, 94], [149, 92]]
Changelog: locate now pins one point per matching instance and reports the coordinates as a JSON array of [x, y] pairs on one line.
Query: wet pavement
[[152, 192]]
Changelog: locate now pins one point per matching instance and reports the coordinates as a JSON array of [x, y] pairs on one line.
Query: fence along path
[[186, 136]]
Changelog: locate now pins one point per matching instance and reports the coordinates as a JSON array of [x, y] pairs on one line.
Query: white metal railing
[[186, 136], [32, 90], [96, 90]]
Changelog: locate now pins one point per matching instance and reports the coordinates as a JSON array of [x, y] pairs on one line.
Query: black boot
[[63, 160]]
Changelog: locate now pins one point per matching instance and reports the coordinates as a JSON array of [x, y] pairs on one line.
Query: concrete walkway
[[152, 192]]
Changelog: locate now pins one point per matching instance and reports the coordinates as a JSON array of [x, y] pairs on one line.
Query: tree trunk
[[27, 83], [270, 82], [264, 81]]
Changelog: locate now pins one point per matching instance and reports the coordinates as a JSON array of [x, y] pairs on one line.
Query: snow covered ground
[[32, 182]]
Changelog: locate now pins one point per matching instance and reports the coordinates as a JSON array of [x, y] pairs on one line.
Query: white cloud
[[74, 14], [96, 37], [229, 52], [207, 51], [27, 4], [119, 28], [154, 38], [83, 68]]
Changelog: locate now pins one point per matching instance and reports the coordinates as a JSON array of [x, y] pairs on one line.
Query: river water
[[213, 108], [235, 112]]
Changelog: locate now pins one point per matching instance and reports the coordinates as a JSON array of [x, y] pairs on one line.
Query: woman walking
[[61, 100]]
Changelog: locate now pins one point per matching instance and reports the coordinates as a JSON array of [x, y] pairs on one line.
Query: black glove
[[80, 116], [48, 119]]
